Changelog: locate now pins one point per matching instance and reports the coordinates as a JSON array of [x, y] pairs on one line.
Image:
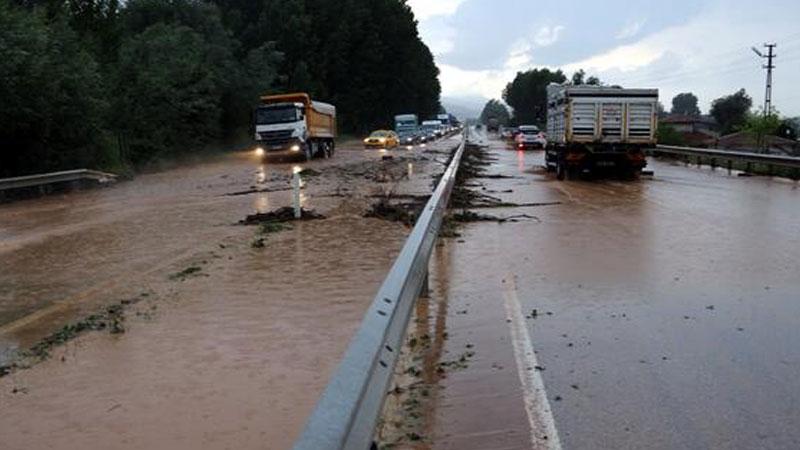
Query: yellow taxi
[[382, 139]]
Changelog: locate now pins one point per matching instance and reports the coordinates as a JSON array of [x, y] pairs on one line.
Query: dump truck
[[599, 128], [294, 125]]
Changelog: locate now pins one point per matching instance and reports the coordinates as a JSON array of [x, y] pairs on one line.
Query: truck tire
[[326, 150], [573, 173], [307, 151], [561, 171]]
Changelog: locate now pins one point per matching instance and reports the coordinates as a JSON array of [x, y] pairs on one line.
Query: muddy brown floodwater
[[663, 313], [225, 345]]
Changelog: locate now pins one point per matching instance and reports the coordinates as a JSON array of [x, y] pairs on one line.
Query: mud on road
[[143, 316]]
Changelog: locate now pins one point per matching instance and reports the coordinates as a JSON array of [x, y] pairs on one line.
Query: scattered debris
[[258, 191], [285, 214], [191, 271], [309, 173], [388, 209], [470, 216]]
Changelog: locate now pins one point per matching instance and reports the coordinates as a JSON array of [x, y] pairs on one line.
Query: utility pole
[[769, 56]]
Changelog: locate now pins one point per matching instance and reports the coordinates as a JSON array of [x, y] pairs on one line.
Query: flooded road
[[660, 313], [225, 345]]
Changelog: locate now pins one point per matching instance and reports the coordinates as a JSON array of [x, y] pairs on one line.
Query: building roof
[[698, 139]]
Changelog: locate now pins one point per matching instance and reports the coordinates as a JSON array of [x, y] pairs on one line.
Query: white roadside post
[[296, 194]]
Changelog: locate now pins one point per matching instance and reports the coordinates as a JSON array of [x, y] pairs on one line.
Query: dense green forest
[[113, 84]]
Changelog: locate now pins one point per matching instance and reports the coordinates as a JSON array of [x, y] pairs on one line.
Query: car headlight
[[295, 148], [259, 151], [382, 140]]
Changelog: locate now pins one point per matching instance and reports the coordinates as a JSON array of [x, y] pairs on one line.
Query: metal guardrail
[[725, 155], [348, 411], [55, 177]]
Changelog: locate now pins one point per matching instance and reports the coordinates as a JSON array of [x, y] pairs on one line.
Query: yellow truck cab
[[295, 125]]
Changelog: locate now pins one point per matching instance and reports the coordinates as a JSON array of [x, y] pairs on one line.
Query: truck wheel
[[326, 150], [561, 171], [573, 173], [308, 152]]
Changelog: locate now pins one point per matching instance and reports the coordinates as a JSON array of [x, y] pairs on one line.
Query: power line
[[694, 73], [733, 65]]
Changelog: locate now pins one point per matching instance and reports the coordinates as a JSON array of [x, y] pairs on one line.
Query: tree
[[79, 76], [660, 110], [788, 129], [527, 95], [760, 126], [685, 104], [53, 108], [668, 135], [169, 92], [731, 111], [579, 78], [495, 110]]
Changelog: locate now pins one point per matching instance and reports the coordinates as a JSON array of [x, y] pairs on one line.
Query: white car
[[530, 137]]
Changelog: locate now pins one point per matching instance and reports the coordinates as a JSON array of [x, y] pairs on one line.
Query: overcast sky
[[702, 46]]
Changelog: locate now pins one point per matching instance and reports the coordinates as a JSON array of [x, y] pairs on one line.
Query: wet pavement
[[666, 313], [224, 345]]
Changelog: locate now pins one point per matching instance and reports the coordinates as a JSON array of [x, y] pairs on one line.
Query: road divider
[[350, 407]]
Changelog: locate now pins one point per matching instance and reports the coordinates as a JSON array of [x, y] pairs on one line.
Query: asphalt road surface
[[667, 313]]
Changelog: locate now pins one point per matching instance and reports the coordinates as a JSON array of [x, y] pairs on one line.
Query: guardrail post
[[296, 195], [713, 163], [730, 166], [749, 167]]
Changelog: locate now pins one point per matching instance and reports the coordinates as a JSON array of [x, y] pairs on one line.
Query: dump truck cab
[[293, 124]]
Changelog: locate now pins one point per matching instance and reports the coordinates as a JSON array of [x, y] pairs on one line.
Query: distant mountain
[[464, 107]]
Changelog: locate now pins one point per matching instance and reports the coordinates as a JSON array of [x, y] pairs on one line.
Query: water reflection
[[261, 203]]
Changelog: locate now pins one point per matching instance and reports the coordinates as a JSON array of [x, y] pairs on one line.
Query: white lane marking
[[537, 406]]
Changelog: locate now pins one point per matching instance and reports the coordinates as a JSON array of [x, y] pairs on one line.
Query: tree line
[[114, 84], [527, 96]]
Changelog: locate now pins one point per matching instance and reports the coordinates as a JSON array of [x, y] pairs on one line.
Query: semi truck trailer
[[599, 128], [295, 125]]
